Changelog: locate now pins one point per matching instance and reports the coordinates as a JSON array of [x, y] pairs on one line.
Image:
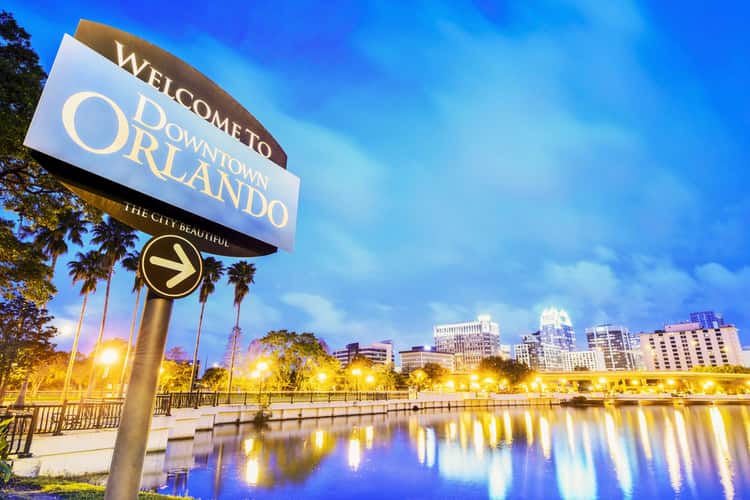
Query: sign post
[[125, 472], [146, 138], [172, 268]]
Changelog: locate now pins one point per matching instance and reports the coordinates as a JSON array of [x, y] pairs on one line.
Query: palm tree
[[241, 274], [71, 225], [130, 262], [114, 240], [213, 270], [88, 269]]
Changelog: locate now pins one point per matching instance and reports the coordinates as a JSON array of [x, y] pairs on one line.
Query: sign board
[[171, 266], [155, 163]]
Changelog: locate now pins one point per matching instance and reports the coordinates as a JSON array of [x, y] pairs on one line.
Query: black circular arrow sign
[[171, 266]]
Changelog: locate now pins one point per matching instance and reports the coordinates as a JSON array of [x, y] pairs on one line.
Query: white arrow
[[185, 267]]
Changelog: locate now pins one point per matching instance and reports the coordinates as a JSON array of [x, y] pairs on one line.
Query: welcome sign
[[103, 130]]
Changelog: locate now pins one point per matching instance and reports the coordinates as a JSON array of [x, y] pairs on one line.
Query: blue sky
[[459, 158]]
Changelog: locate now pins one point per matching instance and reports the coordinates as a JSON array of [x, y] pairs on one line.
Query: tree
[[36, 198], [71, 225], [296, 359], [88, 270], [241, 274], [131, 262], [25, 338], [213, 270], [435, 373], [114, 240], [500, 368], [178, 354], [215, 378], [174, 376]]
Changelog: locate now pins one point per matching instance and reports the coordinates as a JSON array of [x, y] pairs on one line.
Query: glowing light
[[369, 379], [687, 458], [474, 377], [356, 372], [602, 380], [421, 446], [450, 384], [252, 471], [108, 356], [634, 382], [262, 366], [452, 431], [322, 377], [493, 431], [670, 382]]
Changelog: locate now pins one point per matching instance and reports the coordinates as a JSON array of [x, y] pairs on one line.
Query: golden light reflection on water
[[723, 456], [618, 455], [672, 456], [680, 450], [643, 431], [355, 453]]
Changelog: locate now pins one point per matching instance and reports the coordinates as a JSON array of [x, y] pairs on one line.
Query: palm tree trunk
[[130, 343], [235, 333], [101, 334], [74, 350], [193, 372]]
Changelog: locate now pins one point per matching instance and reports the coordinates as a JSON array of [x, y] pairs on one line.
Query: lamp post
[[108, 357]]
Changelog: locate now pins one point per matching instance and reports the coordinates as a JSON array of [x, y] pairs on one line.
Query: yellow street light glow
[[322, 377], [356, 372], [369, 379], [262, 366], [108, 356], [602, 380], [634, 382], [255, 374], [538, 380], [534, 385], [474, 376], [452, 384], [488, 380], [563, 381], [670, 382]]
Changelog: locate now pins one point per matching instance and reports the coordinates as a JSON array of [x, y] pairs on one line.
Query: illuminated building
[[591, 360], [556, 328], [681, 346], [419, 356], [539, 355], [615, 343], [380, 353], [470, 342]]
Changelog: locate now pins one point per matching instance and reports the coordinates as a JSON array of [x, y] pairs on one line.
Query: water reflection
[[628, 452]]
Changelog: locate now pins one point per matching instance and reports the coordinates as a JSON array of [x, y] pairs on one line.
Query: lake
[[627, 452]]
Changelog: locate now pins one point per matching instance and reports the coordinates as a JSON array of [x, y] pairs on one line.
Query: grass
[[74, 488]]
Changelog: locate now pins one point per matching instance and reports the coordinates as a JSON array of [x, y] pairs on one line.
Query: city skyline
[[570, 192]]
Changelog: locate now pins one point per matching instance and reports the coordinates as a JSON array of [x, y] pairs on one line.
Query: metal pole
[[124, 478]]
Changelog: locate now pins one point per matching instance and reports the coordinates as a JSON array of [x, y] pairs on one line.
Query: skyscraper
[[616, 344], [539, 355], [682, 346], [556, 328], [471, 342]]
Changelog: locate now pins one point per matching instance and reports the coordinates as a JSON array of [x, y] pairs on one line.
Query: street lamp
[[357, 373]]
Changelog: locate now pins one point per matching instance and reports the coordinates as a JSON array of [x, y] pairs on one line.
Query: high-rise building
[[539, 355], [470, 342], [707, 319], [419, 356], [380, 353], [615, 343], [555, 327], [681, 346], [592, 361]]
